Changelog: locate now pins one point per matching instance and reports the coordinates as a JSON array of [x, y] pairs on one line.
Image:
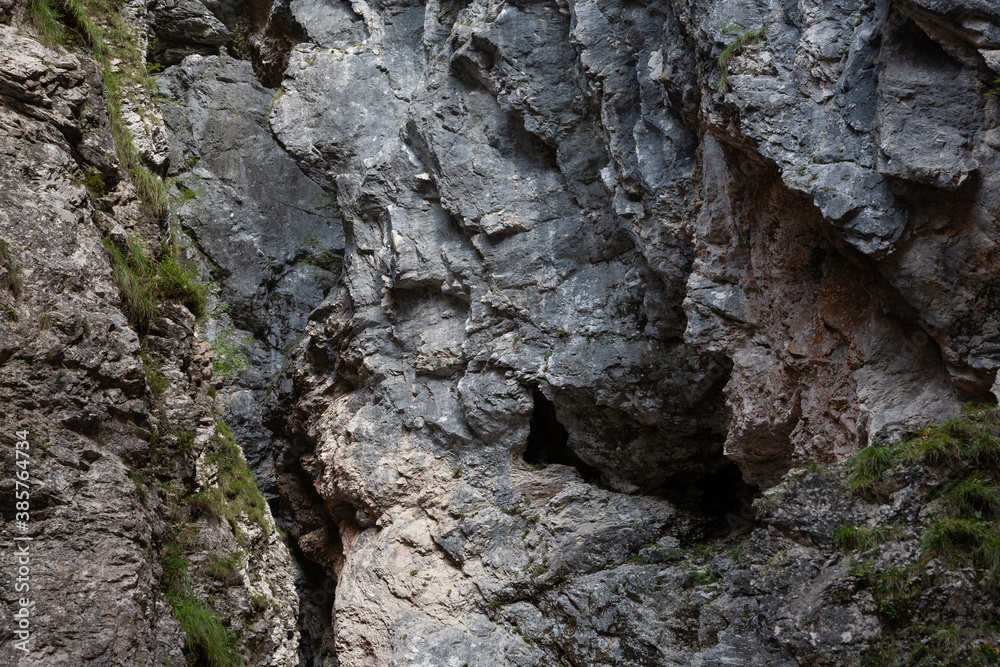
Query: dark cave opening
[[724, 495], [548, 440]]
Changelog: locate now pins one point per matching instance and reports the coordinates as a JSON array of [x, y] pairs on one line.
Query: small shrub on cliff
[[155, 379], [91, 179], [894, 589], [228, 361], [331, 205], [996, 90], [239, 41], [260, 602], [278, 94], [328, 260]]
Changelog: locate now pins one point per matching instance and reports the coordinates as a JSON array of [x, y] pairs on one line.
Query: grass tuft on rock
[[734, 48], [869, 465], [849, 537], [133, 273], [208, 642], [955, 468], [974, 497], [79, 17], [968, 442], [44, 18], [964, 451], [180, 283], [13, 280], [144, 284], [118, 49], [223, 569], [971, 440], [965, 542], [174, 579], [235, 494]]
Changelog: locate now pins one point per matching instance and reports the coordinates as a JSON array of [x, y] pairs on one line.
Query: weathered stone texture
[[104, 447], [557, 212], [593, 287], [71, 377]]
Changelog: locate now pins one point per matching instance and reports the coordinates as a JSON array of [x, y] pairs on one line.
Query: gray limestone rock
[[564, 238], [522, 303], [266, 234], [184, 27]]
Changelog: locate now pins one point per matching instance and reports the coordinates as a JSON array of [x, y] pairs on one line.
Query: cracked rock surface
[[548, 312], [570, 243]]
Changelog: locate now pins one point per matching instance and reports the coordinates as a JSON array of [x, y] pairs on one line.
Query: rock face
[[185, 27], [72, 378], [109, 425], [516, 308], [573, 238], [266, 233]]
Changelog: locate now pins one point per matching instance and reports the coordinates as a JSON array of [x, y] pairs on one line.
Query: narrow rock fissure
[[316, 597]]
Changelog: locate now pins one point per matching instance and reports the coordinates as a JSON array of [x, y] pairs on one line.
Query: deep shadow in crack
[[316, 591], [726, 498], [548, 440]]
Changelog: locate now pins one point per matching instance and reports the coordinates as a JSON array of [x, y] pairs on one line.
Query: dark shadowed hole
[[548, 441], [725, 495], [316, 598]]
